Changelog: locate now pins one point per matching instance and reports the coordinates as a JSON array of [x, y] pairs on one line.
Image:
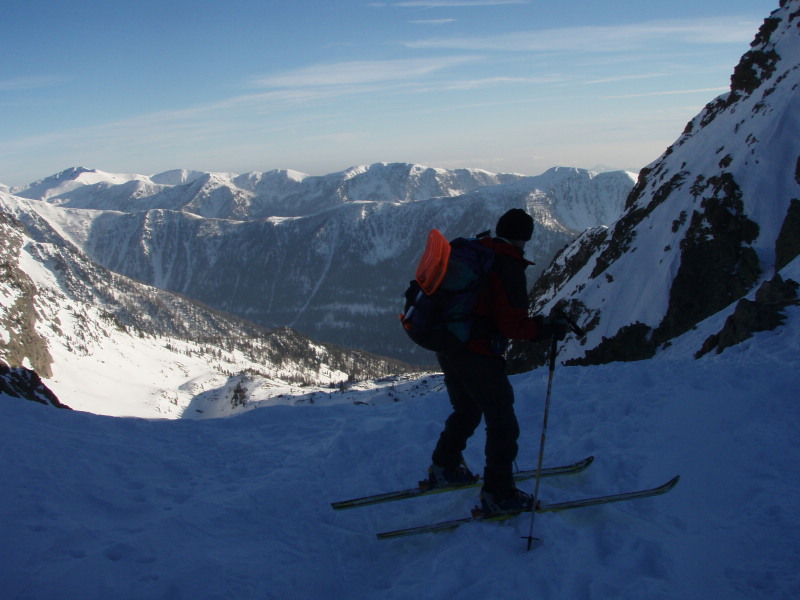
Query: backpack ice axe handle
[[553, 351]]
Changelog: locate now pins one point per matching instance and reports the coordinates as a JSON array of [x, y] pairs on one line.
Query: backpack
[[441, 299]]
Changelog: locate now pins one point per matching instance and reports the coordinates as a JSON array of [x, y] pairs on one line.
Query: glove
[[554, 327], [559, 327]]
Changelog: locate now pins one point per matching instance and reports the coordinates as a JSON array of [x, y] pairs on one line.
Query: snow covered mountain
[[712, 221], [251, 196], [329, 256], [110, 345]]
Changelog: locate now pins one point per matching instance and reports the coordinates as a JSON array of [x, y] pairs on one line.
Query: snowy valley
[[110, 345]]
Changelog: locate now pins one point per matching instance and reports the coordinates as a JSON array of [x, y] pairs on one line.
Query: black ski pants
[[479, 388]]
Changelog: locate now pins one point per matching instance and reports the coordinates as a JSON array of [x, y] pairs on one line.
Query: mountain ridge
[[701, 228], [277, 193], [337, 273]]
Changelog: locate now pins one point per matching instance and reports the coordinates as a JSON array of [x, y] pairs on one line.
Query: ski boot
[[442, 477], [508, 503]]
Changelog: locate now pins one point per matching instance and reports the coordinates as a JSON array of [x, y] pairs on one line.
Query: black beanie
[[516, 224]]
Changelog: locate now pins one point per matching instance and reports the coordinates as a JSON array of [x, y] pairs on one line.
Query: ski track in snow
[[102, 507]]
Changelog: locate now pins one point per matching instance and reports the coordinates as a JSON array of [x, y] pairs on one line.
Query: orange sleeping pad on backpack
[[441, 300], [432, 266]]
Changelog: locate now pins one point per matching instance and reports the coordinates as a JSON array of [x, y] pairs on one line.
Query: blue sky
[[318, 86]]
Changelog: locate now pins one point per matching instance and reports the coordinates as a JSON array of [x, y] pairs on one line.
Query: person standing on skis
[[475, 376]]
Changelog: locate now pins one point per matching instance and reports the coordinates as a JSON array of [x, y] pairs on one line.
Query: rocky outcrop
[[20, 382], [765, 313], [20, 342]]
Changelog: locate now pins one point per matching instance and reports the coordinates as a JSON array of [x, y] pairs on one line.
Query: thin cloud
[[359, 72], [456, 3], [623, 78], [289, 92], [471, 84], [452, 3], [672, 92], [445, 3], [31, 83], [613, 38], [433, 22]]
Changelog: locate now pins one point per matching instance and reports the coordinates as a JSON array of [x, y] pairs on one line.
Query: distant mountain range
[[329, 256]]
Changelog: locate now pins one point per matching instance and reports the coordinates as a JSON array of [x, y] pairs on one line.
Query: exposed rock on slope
[[706, 223]]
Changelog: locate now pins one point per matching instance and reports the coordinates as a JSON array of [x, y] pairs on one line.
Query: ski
[[558, 506], [417, 492]]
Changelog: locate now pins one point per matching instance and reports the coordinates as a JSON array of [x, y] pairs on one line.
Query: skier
[[476, 379]]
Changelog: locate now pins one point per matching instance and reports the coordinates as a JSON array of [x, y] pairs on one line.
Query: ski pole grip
[[576, 329]]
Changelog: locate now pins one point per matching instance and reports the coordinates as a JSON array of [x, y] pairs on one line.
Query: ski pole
[[553, 350]]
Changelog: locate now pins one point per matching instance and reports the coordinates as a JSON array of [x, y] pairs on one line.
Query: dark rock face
[[717, 264], [20, 382], [717, 267], [763, 314], [19, 322], [787, 245]]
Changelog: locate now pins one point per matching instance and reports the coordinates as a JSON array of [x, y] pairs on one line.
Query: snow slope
[[122, 508], [112, 346]]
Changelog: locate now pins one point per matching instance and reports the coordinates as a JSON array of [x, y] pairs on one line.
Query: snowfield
[[100, 507]]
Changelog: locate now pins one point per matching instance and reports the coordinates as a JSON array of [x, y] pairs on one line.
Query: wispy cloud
[[283, 95], [432, 22], [623, 78], [32, 82], [672, 92], [615, 38], [455, 3], [445, 3], [359, 72], [472, 84]]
